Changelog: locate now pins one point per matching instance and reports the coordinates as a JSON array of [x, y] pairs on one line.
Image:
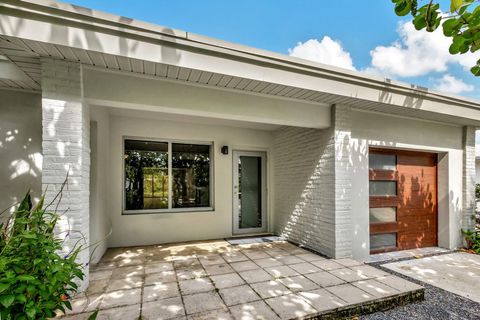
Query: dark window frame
[[170, 208]]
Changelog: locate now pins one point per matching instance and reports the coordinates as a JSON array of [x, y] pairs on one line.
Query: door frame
[[236, 154]]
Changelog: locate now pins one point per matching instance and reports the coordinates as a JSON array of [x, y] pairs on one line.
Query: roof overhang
[[34, 28]]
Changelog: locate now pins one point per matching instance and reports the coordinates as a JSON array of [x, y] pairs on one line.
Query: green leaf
[[402, 8], [21, 298], [3, 287], [93, 316], [25, 277], [7, 300], [455, 5], [31, 311]]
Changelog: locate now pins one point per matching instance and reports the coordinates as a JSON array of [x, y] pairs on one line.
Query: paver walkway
[[455, 272], [215, 280]]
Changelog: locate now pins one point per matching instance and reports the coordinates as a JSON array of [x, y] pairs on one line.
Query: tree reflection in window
[[146, 175], [191, 175]]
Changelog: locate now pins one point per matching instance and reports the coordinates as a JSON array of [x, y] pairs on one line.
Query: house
[[171, 136]]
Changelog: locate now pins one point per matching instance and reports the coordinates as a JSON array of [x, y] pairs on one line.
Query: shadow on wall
[[88, 38], [20, 146]]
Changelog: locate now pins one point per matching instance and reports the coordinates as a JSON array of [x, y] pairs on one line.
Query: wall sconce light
[[225, 150]]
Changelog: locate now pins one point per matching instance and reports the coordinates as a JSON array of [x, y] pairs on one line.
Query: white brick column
[[468, 176], [313, 185], [342, 134], [66, 150]]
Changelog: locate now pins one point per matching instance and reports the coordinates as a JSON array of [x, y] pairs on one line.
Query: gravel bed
[[438, 304]]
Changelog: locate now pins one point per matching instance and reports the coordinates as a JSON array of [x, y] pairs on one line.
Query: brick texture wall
[[468, 176], [313, 184], [65, 146]]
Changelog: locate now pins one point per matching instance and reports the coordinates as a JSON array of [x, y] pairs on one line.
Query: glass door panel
[[249, 191]]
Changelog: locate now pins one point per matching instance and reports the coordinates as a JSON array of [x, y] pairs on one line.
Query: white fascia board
[[201, 53]]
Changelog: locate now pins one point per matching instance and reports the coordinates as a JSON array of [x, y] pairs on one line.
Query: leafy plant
[[36, 281], [472, 237], [462, 23]]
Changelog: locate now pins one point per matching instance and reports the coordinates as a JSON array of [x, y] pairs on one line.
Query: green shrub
[[472, 237], [36, 281]]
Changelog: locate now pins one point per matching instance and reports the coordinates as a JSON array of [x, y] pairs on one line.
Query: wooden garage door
[[403, 200]]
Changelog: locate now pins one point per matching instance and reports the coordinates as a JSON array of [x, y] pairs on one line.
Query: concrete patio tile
[[267, 262], [298, 283], [191, 273], [237, 295], [160, 291], [164, 309], [350, 294], [310, 257], [327, 265], [324, 279], [290, 306], [322, 300], [101, 274], [375, 288], [129, 262], [217, 269], [195, 285], [255, 254], [282, 271], [234, 257], [243, 266], [369, 272], [84, 303], [257, 310], [78, 316], [186, 263], [219, 314], [348, 275], [211, 260], [156, 267], [253, 276], [128, 313], [121, 298], [227, 280], [270, 289], [398, 283], [97, 286], [201, 302], [126, 272], [290, 259], [348, 262], [103, 265], [160, 277], [304, 268], [128, 283]]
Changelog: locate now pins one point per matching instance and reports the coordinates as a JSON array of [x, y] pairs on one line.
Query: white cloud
[[417, 53], [450, 84], [327, 51]]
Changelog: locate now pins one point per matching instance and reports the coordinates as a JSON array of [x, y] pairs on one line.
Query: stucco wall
[[100, 224], [142, 229], [20, 146], [372, 129]]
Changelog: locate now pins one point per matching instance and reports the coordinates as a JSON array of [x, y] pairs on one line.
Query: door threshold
[[250, 235]]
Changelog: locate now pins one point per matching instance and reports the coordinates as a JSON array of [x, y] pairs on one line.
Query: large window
[[166, 176]]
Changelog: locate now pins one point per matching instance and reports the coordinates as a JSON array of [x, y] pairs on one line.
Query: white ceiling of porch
[[25, 54]]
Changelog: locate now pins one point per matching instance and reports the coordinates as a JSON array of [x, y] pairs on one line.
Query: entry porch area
[[217, 280]]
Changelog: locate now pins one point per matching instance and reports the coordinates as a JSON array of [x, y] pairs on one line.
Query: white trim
[[170, 177]]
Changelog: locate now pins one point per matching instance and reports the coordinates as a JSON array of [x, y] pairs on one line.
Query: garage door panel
[[415, 201]]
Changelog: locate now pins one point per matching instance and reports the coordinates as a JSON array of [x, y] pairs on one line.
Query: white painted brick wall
[[65, 145], [313, 184], [468, 176]]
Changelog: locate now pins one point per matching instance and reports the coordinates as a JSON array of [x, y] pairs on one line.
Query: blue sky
[[342, 32]]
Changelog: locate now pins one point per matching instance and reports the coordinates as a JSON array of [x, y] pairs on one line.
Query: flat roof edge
[[107, 19]]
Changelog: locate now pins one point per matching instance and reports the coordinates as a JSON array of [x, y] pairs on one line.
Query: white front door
[[249, 192]]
